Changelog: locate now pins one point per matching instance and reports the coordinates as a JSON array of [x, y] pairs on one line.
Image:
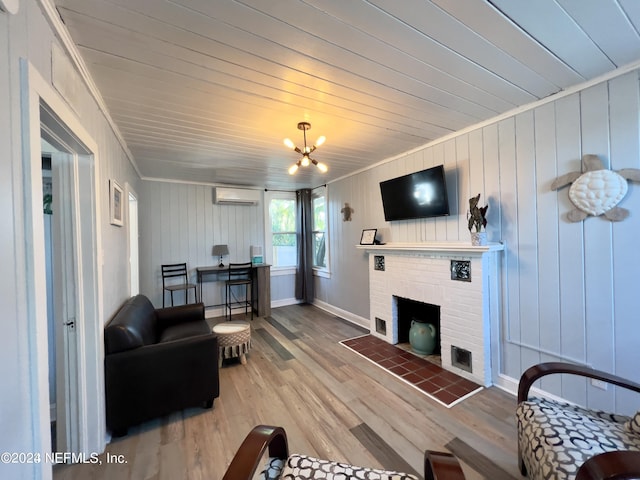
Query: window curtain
[[304, 230]]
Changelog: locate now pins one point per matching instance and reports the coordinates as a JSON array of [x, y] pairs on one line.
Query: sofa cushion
[[133, 326], [184, 330], [556, 438]]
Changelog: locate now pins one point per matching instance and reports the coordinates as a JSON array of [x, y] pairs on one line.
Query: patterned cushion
[[272, 469], [556, 438], [304, 467], [633, 425]]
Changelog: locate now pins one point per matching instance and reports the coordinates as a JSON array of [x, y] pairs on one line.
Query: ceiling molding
[[52, 16]]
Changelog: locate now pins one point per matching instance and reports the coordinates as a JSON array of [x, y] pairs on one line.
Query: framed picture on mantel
[[368, 236]]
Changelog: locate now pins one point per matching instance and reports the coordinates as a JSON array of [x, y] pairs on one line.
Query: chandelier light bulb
[[289, 144], [322, 167], [320, 140], [305, 161], [293, 169]]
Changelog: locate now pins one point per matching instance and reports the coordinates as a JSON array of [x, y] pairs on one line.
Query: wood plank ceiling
[[206, 90]]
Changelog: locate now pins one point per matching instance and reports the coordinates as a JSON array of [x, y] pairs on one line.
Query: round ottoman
[[234, 340]]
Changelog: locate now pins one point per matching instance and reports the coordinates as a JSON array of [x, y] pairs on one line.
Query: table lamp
[[220, 251]]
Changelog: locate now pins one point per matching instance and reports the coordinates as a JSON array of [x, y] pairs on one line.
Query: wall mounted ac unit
[[235, 196]]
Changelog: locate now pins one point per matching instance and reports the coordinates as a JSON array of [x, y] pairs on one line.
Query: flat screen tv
[[417, 195]]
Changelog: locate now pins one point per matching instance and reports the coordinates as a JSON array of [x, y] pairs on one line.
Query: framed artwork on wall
[[116, 203], [368, 236]]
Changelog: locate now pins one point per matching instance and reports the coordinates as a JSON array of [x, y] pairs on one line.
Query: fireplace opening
[[408, 310]]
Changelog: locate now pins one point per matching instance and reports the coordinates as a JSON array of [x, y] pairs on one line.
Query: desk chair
[[240, 275], [177, 271]]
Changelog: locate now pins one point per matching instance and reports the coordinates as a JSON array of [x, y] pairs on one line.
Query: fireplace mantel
[[460, 248]]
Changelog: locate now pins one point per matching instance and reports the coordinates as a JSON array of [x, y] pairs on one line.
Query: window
[[320, 240], [282, 215], [281, 249]]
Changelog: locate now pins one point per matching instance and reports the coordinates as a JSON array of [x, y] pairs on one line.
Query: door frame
[[133, 244], [91, 430]]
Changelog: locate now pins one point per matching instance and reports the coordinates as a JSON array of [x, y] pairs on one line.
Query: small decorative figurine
[[346, 212], [596, 190], [477, 219]]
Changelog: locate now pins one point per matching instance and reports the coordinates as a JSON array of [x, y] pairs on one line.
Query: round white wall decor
[[9, 6]]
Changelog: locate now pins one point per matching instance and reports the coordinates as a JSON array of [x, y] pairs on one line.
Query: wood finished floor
[[333, 404]]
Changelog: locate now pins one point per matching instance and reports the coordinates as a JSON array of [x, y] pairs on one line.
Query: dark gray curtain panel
[[304, 230]]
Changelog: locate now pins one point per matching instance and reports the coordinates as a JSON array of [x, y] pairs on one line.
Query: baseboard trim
[[510, 385], [213, 312], [348, 316], [284, 302]]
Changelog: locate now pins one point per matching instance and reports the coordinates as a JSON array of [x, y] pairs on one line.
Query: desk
[[261, 281]]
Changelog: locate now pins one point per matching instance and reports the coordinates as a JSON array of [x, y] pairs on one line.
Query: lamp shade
[[220, 250]]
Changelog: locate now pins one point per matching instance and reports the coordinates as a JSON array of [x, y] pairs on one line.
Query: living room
[[567, 289]]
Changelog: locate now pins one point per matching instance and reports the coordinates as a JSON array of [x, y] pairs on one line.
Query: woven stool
[[234, 340]]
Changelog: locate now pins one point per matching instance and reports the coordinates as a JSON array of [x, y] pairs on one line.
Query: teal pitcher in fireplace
[[422, 337]]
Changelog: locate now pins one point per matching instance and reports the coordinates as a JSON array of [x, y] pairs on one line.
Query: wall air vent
[[235, 196]]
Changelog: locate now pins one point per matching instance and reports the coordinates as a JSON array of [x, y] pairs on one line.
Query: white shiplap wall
[[180, 223], [568, 288], [27, 35]]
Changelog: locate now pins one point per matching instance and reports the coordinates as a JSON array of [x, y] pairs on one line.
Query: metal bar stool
[[240, 275]]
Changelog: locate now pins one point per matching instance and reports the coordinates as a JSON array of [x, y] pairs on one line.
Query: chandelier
[[305, 151]]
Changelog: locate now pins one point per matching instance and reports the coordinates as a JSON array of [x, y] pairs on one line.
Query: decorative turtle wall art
[[596, 190]]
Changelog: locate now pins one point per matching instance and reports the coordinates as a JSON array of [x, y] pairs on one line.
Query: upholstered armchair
[[281, 464], [558, 440]]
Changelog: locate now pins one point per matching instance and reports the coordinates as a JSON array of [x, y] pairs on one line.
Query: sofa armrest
[[170, 316], [248, 457], [538, 371], [618, 465]]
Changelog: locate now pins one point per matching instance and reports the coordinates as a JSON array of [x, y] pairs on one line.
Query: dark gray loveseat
[[157, 361]]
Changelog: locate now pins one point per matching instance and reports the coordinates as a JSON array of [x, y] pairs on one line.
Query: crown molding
[[53, 17], [10, 6]]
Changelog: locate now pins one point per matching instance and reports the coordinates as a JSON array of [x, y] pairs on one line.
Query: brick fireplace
[[462, 280]]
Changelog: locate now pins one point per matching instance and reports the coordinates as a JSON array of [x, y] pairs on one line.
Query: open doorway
[[76, 273], [134, 275], [67, 236]]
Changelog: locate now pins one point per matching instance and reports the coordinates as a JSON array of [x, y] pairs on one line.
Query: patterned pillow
[[272, 469], [633, 425], [301, 466]]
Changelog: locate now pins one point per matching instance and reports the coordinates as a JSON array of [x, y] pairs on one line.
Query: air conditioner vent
[[235, 196]]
